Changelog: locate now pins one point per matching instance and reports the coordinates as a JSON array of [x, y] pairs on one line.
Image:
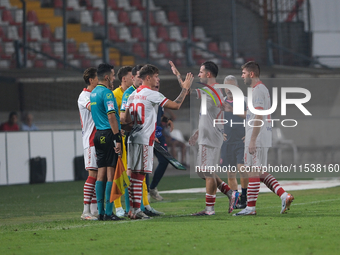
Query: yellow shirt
[[118, 93]]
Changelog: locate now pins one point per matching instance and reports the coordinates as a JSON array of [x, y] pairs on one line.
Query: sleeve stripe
[[111, 112], [164, 101], [259, 108]]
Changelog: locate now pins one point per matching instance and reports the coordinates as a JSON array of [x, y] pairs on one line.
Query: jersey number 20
[[137, 113]]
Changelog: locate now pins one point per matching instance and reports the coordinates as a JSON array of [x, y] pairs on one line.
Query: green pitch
[[45, 219]]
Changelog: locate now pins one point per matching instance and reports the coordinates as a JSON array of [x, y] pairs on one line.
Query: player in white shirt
[[141, 109], [209, 139], [88, 130], [257, 142]]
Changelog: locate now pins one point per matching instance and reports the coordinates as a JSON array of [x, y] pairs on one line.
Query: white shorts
[[207, 156], [259, 158], [140, 158], [90, 159]]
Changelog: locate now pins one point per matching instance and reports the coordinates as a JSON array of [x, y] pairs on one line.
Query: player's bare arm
[[175, 105], [114, 127], [176, 72], [256, 130]]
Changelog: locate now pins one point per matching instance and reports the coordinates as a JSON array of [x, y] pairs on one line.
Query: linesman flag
[[120, 181]]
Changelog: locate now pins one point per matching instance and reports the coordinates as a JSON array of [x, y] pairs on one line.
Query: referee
[[107, 139]]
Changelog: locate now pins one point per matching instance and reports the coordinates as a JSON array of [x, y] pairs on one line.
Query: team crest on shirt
[[110, 106], [109, 95]]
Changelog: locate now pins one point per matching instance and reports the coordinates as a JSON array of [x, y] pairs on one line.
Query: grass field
[[45, 219]]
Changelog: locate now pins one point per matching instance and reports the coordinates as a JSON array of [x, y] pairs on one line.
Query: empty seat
[[36, 46], [47, 34], [113, 19], [58, 33], [5, 4], [98, 18], [74, 5], [136, 17], [175, 33], [8, 50], [162, 33], [85, 63], [173, 17], [75, 62], [123, 17], [51, 63], [35, 34], [39, 63], [153, 51], [4, 64], [7, 17], [58, 49], [153, 36], [151, 19], [161, 18], [113, 5], [199, 34], [137, 33], [32, 17], [225, 49], [12, 33], [72, 48], [124, 34], [47, 48], [176, 49], [124, 5], [113, 36], [138, 50], [86, 18], [152, 6], [98, 4], [18, 16], [137, 4], [58, 4], [163, 48]]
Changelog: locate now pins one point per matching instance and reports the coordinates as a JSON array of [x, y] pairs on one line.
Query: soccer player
[[232, 151], [107, 139], [124, 75], [142, 109], [210, 140], [257, 142], [88, 129]]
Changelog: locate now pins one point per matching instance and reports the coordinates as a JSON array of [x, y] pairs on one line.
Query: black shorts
[[232, 154], [103, 142]]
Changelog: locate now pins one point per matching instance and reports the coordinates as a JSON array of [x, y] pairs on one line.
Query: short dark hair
[[90, 72], [103, 69], [123, 71], [252, 66], [211, 67], [11, 114], [135, 69], [148, 70]]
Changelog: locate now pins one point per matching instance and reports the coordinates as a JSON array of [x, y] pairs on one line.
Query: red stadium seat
[[7, 17], [46, 48], [136, 32], [113, 5], [123, 17], [32, 17], [58, 4], [113, 36], [151, 19], [3, 36], [212, 46], [138, 50], [226, 64], [137, 4], [164, 49], [85, 63], [162, 32], [39, 63], [47, 33], [98, 18], [173, 17]]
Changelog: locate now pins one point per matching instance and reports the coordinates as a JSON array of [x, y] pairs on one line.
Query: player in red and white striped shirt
[[88, 130]]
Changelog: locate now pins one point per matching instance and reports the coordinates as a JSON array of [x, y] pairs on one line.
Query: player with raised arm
[[88, 130], [142, 109], [257, 142], [209, 139], [107, 139]]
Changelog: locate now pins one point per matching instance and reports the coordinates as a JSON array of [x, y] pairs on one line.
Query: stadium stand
[[85, 30]]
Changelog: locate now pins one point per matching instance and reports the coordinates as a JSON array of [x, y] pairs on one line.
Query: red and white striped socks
[[224, 188], [136, 183], [93, 206], [209, 202], [253, 191], [89, 190], [272, 184]]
